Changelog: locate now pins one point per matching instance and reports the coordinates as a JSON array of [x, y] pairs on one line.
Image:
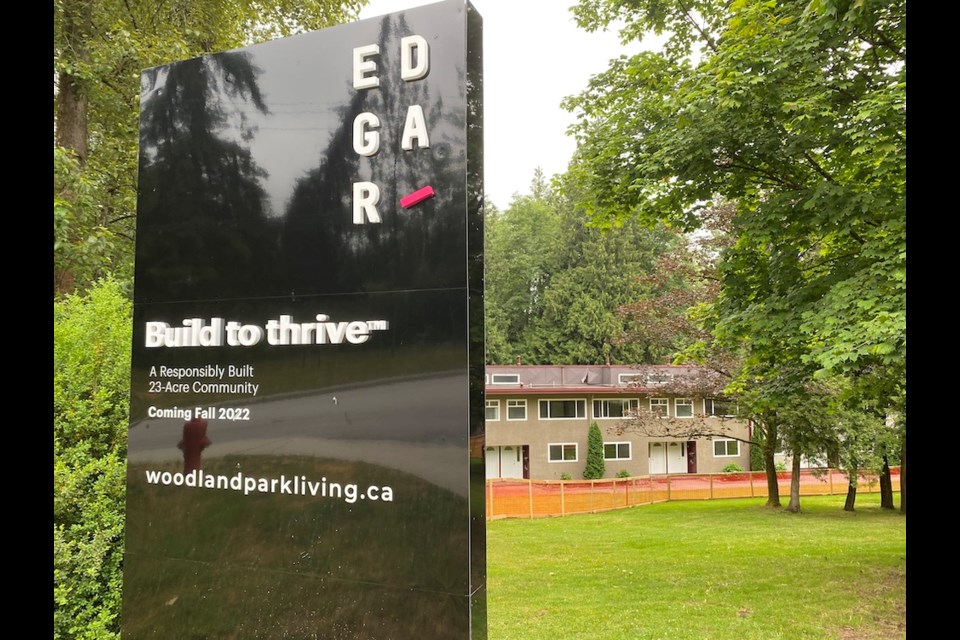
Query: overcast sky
[[534, 56]]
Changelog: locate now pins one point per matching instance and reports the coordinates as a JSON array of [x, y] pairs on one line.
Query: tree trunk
[[794, 505], [769, 465], [903, 476], [886, 485], [70, 103], [851, 500], [71, 123], [833, 455]]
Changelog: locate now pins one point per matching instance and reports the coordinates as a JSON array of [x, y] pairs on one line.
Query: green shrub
[[733, 467], [91, 381], [595, 465], [623, 473], [780, 466], [565, 476]]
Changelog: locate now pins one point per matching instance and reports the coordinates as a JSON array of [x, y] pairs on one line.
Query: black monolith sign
[[306, 433]]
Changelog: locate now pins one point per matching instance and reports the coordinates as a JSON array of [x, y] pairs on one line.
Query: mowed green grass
[[708, 570]]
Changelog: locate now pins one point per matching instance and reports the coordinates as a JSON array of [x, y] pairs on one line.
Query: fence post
[[530, 495], [751, 484], [490, 498], [830, 475], [711, 486], [668, 487], [563, 506], [591, 497]]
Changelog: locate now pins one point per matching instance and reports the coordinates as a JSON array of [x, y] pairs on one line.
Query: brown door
[[691, 456]]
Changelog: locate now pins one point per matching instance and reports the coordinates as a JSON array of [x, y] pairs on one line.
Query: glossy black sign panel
[[306, 435]]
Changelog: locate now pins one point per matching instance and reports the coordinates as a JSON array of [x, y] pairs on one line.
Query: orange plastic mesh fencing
[[543, 498]]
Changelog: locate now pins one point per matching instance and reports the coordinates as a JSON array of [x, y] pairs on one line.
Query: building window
[[660, 406], [563, 409], [683, 407], [629, 378], [563, 452], [616, 408], [493, 410], [719, 408], [658, 377], [726, 448], [616, 451], [505, 378], [516, 409]]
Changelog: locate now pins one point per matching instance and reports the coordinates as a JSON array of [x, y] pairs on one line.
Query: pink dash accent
[[417, 197]]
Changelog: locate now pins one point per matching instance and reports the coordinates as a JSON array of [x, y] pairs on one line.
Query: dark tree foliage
[[794, 113], [594, 468], [554, 283]]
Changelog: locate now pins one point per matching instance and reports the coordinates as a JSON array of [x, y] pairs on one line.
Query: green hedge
[[91, 381]]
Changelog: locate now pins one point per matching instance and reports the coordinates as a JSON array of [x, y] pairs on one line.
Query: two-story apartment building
[[538, 417]]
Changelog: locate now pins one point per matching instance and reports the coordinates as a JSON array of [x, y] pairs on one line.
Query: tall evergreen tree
[[595, 466], [554, 283]]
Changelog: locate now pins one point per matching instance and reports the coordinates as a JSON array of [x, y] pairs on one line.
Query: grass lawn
[[711, 570]]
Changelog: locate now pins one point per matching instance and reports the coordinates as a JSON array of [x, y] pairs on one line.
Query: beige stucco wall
[[539, 433]]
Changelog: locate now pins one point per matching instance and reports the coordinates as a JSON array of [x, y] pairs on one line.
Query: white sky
[[534, 55]]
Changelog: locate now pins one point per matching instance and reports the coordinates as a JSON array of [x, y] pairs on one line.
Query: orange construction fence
[[508, 498]]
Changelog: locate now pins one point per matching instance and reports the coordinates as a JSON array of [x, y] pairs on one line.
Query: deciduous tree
[[794, 112]]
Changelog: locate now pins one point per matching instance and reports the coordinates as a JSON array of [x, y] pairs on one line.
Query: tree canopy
[[795, 112], [554, 283]]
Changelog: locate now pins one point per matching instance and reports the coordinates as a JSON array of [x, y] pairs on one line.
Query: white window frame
[[512, 404], [498, 378], [563, 446], [658, 377], [491, 404], [631, 404], [617, 445], [725, 455], [687, 402], [628, 378], [661, 402], [548, 400]]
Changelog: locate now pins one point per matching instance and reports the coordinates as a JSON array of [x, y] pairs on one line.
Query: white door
[[492, 459], [667, 457], [676, 457], [504, 462], [657, 458], [511, 462]]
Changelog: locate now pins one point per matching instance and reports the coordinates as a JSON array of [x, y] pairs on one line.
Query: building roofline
[[551, 379], [526, 390], [600, 365]]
